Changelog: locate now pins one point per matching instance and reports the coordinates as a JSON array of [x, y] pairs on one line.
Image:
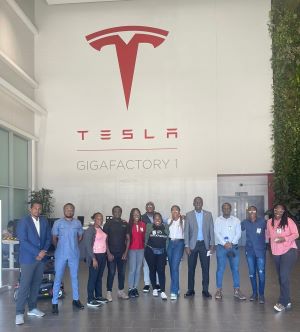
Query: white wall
[[209, 76], [16, 53]]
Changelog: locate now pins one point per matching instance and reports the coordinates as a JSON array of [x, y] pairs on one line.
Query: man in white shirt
[[227, 234]]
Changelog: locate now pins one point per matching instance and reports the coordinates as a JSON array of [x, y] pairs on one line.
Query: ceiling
[[61, 2]]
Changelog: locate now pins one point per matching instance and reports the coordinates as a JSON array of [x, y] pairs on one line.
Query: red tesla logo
[[127, 52]]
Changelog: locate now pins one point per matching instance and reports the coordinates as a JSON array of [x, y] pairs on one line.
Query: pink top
[[100, 242], [290, 233]]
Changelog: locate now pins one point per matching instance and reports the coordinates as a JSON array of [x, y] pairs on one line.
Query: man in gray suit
[[199, 240]]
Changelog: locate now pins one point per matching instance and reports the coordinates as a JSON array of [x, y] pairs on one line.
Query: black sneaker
[[101, 299], [189, 293], [131, 293], [93, 303], [136, 293], [55, 309], [78, 304], [158, 288], [146, 289]]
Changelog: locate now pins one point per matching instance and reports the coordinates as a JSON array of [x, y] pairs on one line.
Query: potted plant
[[44, 196]]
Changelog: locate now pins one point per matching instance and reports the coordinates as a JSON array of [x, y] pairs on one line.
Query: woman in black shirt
[[157, 235]]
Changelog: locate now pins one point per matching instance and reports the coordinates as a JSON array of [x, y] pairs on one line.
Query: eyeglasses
[[252, 212], [276, 210]]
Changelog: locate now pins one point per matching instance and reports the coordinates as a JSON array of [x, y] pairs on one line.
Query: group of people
[[148, 242]]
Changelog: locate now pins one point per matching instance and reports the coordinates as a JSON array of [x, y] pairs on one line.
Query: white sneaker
[[173, 296], [19, 319], [108, 296], [155, 292], [288, 306], [36, 312], [163, 296], [122, 295], [279, 307]]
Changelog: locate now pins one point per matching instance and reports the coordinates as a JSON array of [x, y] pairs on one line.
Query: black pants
[[284, 265], [94, 286], [120, 264], [30, 281], [157, 264], [199, 250]]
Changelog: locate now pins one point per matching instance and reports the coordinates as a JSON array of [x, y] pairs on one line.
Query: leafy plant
[[285, 32], [44, 196]]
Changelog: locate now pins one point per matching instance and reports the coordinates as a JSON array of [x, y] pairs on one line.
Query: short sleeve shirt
[[67, 233], [116, 231], [255, 236]]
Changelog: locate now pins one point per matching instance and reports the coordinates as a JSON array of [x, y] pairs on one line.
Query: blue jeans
[[256, 265], [175, 252], [233, 262], [135, 259]]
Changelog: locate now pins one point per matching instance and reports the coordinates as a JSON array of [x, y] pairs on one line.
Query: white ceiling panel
[[62, 2]]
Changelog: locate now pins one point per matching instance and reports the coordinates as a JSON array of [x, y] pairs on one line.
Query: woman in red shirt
[[136, 251], [282, 232]]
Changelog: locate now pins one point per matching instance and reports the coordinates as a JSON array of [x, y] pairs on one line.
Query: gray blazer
[[191, 230]]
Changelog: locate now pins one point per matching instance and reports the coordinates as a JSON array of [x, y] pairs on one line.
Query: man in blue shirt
[[255, 251], [66, 234]]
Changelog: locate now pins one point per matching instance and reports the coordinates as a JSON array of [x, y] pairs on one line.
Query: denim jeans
[[120, 264], [256, 266], [135, 260], [233, 262], [175, 252]]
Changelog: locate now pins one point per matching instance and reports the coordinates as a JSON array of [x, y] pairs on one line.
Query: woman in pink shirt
[[282, 232], [95, 255], [136, 251]]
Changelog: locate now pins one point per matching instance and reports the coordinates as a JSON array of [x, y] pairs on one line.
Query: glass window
[[20, 203], [20, 148], [4, 207], [14, 175]]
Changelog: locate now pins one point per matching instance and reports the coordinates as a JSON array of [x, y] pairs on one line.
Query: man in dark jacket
[[34, 234]]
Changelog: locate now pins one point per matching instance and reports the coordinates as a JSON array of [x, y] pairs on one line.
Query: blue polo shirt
[[255, 237]]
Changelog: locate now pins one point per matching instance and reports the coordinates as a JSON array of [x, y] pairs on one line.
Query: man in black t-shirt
[[118, 240]]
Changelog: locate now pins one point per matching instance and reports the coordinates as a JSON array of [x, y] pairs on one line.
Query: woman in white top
[[175, 248]]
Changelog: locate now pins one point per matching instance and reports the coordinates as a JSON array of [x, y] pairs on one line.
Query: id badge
[[258, 230]]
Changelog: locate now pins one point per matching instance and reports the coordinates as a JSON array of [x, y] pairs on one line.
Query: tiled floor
[[148, 314]]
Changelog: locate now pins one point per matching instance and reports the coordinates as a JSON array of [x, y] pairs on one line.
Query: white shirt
[[227, 229], [176, 231], [36, 224]]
